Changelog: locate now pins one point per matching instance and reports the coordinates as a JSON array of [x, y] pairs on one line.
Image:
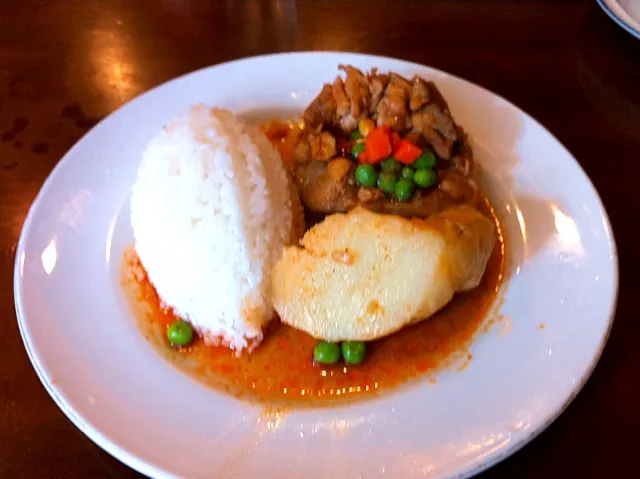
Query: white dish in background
[[98, 368], [625, 13]]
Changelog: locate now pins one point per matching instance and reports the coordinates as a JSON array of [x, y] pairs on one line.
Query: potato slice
[[360, 276]]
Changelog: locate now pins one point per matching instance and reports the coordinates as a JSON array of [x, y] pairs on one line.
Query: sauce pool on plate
[[281, 369]]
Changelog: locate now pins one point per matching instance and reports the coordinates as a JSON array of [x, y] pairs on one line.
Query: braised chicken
[[391, 100], [414, 115]]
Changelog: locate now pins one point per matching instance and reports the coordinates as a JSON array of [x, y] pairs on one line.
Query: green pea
[[391, 165], [353, 352], [407, 173], [424, 178], [179, 333], [387, 182], [404, 189], [326, 353], [355, 135], [425, 161], [357, 149], [366, 175]]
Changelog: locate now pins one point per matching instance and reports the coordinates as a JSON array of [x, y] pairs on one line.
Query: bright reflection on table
[[111, 56]]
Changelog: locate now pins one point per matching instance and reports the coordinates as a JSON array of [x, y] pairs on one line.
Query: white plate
[[625, 13], [100, 371]]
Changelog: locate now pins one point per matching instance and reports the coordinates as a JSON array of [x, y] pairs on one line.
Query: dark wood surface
[[66, 64]]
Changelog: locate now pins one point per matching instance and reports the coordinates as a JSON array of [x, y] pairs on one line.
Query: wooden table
[[66, 64]]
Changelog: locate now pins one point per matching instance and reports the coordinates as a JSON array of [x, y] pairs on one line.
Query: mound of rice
[[211, 211]]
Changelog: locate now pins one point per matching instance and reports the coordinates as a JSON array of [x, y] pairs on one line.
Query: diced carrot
[[395, 139], [363, 158], [406, 152], [378, 145]]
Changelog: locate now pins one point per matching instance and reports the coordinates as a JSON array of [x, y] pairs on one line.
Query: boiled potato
[[361, 275]]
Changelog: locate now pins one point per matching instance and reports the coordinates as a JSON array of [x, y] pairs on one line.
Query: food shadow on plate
[[527, 221]]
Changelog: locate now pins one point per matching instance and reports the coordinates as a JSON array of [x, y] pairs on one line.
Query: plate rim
[[622, 22], [144, 467]]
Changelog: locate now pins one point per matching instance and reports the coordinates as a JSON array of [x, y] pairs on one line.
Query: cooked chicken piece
[[426, 204], [419, 94], [441, 121], [367, 194], [442, 146], [377, 84], [400, 81], [322, 110], [393, 110], [362, 276], [320, 193], [422, 206], [343, 105], [458, 187], [357, 89], [463, 161], [323, 145], [390, 100]]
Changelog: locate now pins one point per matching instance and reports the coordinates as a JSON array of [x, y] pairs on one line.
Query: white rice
[[211, 213]]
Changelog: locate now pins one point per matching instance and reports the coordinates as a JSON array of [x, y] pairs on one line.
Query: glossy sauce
[[281, 369]]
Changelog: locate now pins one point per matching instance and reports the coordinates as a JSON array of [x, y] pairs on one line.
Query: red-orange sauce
[[284, 136], [281, 369]]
